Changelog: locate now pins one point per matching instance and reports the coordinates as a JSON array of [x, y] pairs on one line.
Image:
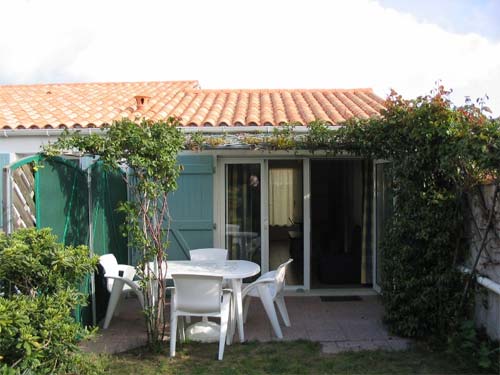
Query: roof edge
[[190, 81]]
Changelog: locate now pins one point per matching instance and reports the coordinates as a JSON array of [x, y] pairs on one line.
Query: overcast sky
[[404, 44]]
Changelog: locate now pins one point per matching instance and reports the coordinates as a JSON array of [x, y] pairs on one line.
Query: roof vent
[[141, 101]]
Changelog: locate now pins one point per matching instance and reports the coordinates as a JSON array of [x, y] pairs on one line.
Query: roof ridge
[[194, 81]]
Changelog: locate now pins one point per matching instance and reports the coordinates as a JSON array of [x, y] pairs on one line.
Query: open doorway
[[339, 211], [286, 218]]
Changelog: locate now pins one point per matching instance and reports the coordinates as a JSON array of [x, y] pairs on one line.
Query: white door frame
[[220, 215], [220, 208]]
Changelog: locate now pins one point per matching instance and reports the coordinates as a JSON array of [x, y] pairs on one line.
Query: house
[[325, 212]]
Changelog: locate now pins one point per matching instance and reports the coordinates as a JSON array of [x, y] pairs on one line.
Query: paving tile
[[330, 348], [399, 344], [332, 324], [359, 345], [363, 330], [327, 334], [293, 333]]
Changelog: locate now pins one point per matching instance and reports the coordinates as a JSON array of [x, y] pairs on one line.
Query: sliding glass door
[[243, 219], [265, 218]]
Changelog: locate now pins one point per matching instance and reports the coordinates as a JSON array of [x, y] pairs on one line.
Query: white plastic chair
[[118, 285], [200, 295], [269, 288], [208, 254]]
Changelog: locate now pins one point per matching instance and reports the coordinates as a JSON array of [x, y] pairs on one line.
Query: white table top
[[229, 269]]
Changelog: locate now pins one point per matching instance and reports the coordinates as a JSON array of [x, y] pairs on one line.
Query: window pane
[[243, 213]]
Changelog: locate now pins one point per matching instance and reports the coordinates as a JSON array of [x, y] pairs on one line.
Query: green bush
[[439, 153], [39, 279], [467, 342]]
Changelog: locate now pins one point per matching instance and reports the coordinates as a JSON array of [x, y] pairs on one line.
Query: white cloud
[[258, 43]]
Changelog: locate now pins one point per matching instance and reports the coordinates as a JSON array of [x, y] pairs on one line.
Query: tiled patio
[[338, 325]]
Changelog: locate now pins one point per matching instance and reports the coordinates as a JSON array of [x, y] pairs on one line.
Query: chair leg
[[114, 298], [280, 302], [245, 308], [119, 304], [181, 328], [267, 302], [173, 334], [224, 317], [232, 323]]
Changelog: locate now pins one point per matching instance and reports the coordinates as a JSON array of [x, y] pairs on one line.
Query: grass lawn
[[299, 357]]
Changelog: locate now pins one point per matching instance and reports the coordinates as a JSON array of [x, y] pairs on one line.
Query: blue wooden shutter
[[4, 160], [191, 207]]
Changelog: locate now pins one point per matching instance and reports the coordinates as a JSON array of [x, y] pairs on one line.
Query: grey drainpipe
[[484, 281]]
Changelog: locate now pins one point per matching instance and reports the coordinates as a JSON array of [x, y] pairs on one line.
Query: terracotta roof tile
[[96, 104]]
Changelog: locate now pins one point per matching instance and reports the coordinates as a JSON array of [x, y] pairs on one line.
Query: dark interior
[[336, 222]]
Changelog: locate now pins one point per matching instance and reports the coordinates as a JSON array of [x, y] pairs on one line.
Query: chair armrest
[[261, 280], [132, 284], [118, 280], [126, 271], [270, 274]]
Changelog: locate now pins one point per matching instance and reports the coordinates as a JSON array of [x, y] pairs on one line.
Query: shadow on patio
[[340, 325]]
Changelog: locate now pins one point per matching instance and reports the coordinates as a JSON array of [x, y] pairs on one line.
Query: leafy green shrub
[[150, 150], [38, 295], [319, 136], [34, 262], [470, 343], [439, 154]]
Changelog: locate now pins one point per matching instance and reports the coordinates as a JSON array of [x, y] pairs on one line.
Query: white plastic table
[[233, 270]]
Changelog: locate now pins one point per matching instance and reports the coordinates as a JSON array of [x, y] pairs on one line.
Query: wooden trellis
[[23, 197]]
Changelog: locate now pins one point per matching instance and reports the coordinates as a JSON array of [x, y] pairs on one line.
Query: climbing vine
[[148, 151], [439, 153]]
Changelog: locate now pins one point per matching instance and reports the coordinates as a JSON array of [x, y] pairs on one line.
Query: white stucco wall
[[487, 309], [22, 142]]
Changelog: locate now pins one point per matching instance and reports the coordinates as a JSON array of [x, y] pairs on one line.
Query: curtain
[[285, 196]]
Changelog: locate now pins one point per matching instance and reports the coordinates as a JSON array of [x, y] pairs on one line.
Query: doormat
[[340, 298]]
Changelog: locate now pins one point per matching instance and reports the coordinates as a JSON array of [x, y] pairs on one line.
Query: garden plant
[[440, 154], [147, 151], [38, 294]]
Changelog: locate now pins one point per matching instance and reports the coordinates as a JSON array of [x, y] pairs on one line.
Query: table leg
[[236, 284]]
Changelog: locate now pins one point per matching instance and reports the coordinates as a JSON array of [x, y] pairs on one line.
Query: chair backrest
[[234, 228], [280, 276], [198, 294], [110, 266], [208, 254]]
